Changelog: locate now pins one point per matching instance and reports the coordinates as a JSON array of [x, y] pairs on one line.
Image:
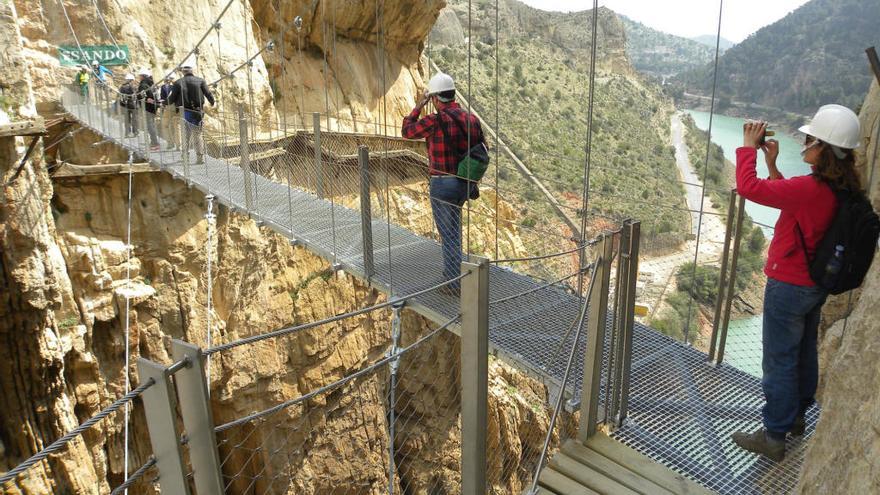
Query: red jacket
[[442, 158], [804, 201]]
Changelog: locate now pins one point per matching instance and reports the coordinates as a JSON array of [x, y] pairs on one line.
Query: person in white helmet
[[100, 72], [128, 103], [792, 300], [147, 95], [449, 133], [190, 92]]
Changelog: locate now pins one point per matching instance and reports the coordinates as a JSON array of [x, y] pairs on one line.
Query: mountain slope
[[657, 53], [543, 69], [811, 57], [710, 39]]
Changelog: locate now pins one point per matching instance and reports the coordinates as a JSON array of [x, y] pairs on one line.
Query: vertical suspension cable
[[585, 203], [687, 322], [469, 96], [209, 254], [497, 133], [127, 413], [380, 42]]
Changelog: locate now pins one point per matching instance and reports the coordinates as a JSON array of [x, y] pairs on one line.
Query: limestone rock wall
[[844, 455]]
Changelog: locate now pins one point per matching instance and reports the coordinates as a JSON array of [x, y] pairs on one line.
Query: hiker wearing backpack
[[457, 158], [823, 243], [128, 103]]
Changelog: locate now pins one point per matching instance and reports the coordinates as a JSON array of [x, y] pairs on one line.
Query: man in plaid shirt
[[449, 134]]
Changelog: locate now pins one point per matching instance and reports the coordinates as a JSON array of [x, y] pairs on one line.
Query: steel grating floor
[[682, 410]]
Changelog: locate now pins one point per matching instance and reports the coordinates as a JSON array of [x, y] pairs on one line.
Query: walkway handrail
[[79, 430], [577, 335], [135, 476], [289, 330], [337, 383]]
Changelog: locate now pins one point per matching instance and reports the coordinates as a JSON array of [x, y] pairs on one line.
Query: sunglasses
[[808, 140]]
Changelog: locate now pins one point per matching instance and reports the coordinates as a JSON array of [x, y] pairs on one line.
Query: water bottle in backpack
[[833, 267]]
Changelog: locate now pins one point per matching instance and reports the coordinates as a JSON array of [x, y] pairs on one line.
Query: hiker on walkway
[[81, 80], [101, 76], [101, 73], [190, 93], [448, 134], [147, 94], [792, 299], [170, 120], [128, 103]]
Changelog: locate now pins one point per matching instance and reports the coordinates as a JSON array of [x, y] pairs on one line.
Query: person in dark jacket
[[190, 92], [448, 133], [792, 300], [147, 94], [170, 122], [128, 103]]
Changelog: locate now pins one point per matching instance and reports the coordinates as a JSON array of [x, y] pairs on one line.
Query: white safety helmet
[[439, 83], [129, 77], [94, 63], [145, 73], [835, 125], [188, 65]]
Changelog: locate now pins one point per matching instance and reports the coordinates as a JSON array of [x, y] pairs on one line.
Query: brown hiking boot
[[760, 442]]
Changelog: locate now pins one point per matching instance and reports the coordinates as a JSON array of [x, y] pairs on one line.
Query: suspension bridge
[[666, 409], [681, 408]]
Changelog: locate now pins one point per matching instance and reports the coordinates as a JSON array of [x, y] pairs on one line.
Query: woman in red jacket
[[792, 301]]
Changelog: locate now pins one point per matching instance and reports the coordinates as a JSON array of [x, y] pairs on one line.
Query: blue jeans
[[448, 193], [790, 363]]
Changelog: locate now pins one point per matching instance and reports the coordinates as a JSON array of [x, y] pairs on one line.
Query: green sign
[[104, 54]]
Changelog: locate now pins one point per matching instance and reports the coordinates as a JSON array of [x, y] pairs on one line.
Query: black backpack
[[856, 228]]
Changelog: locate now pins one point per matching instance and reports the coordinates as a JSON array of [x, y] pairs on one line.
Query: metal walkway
[[682, 409]]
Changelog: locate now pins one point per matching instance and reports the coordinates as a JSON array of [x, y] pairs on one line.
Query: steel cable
[[79, 430]]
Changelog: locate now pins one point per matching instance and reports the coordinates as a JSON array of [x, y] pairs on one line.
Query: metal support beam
[[162, 425], [366, 212], [597, 311], [319, 167], [722, 277], [195, 407], [474, 374], [731, 282], [244, 159], [635, 234]]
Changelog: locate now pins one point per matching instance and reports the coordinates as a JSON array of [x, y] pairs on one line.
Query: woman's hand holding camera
[[753, 134]]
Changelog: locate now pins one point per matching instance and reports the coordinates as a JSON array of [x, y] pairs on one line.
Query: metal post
[[319, 168], [244, 160], [366, 212], [629, 312], [737, 241], [161, 417], [615, 357], [195, 408], [185, 140], [598, 308], [474, 374], [722, 278], [394, 365]]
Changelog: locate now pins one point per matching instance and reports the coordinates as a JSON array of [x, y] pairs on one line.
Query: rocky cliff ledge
[[844, 454]]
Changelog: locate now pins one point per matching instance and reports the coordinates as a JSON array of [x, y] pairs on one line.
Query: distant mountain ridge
[[813, 56], [710, 39], [657, 53]]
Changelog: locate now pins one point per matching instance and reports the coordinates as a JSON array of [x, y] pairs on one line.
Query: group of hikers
[[178, 104]]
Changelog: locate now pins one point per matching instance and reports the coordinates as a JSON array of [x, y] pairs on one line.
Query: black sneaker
[[760, 442], [799, 427]]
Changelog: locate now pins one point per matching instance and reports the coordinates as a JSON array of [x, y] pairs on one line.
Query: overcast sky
[[689, 18]]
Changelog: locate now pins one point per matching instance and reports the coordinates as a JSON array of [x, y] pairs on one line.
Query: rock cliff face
[[354, 61], [843, 456]]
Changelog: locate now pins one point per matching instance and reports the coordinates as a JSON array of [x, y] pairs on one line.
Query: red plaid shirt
[[443, 158]]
